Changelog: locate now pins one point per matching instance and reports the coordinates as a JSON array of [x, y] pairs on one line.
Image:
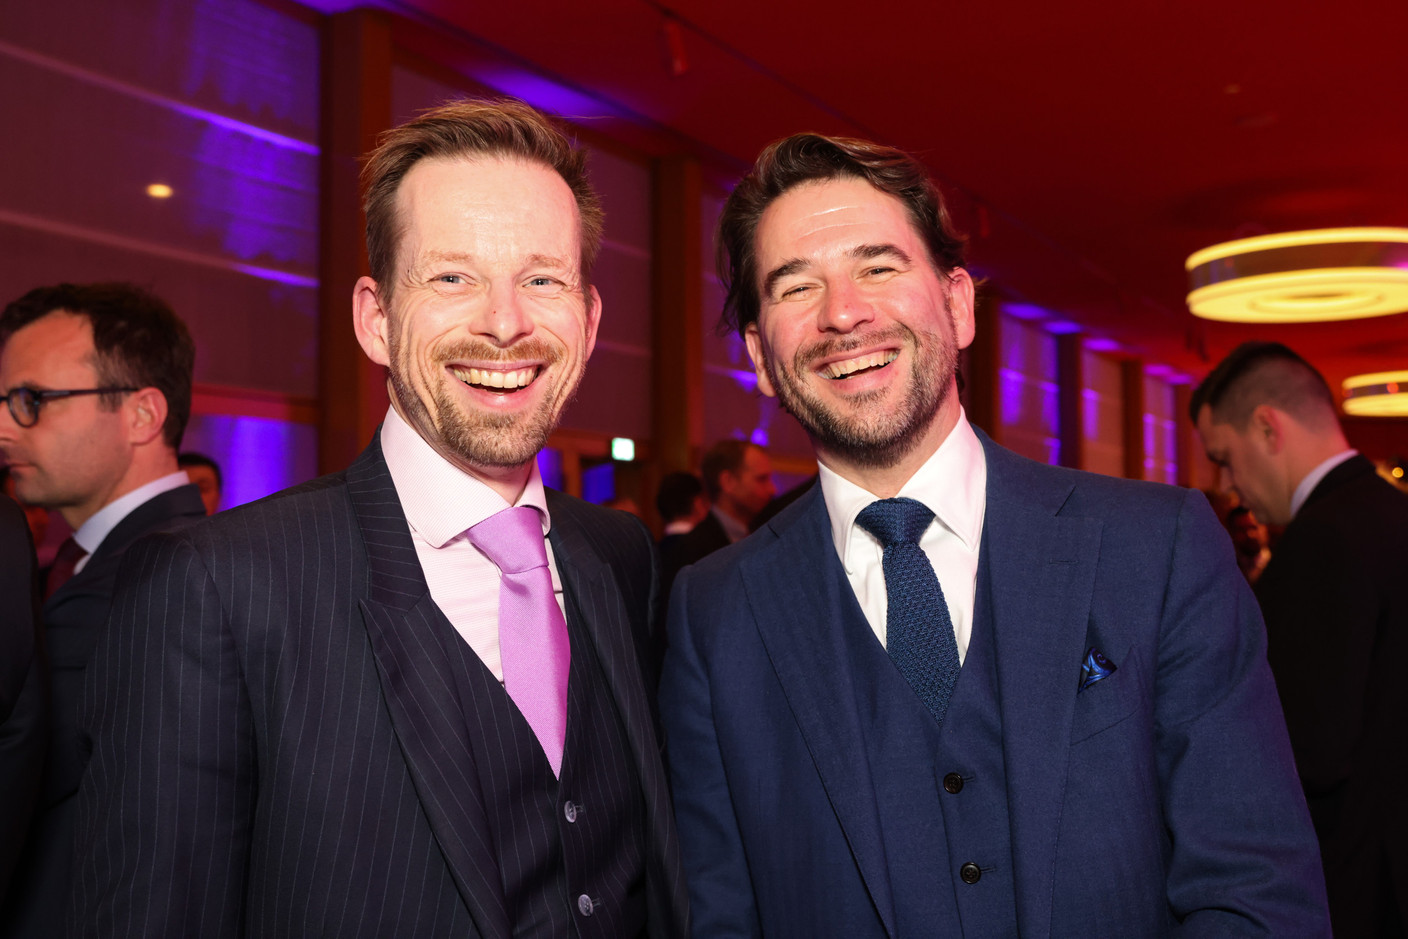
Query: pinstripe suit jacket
[[278, 747]]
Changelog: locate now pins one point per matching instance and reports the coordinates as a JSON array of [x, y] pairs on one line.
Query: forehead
[[831, 215], [50, 350], [488, 204]]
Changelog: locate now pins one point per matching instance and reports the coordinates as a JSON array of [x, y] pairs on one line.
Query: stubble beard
[[483, 438], [863, 434]]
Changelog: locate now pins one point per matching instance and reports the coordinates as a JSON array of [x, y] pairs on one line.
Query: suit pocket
[[1108, 701]]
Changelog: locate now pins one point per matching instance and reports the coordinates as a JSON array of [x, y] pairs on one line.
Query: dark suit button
[[970, 873], [569, 811], [585, 905], [953, 783]]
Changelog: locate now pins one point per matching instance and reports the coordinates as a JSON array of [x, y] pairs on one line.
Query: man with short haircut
[[682, 504], [97, 383], [951, 691], [1335, 597], [205, 473], [406, 699], [738, 483]]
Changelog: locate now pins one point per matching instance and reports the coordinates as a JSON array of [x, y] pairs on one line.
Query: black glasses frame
[[24, 403]]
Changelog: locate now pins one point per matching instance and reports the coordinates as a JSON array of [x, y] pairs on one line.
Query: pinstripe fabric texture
[[278, 747]]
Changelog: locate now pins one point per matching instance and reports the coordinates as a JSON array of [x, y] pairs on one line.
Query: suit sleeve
[[23, 695], [720, 889], [164, 814], [1243, 856]]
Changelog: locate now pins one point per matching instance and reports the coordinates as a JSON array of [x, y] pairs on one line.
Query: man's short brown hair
[[466, 129], [804, 158], [1257, 373]]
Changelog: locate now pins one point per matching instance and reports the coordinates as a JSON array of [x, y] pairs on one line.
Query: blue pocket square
[[1094, 668]]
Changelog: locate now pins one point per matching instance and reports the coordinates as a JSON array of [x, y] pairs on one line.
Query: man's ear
[[593, 318], [371, 321], [1267, 428], [145, 411], [754, 340], [961, 295]]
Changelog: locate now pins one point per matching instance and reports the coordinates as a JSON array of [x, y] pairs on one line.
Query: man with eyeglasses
[[96, 379]]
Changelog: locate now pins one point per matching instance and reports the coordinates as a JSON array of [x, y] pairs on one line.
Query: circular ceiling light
[[1378, 394], [1302, 277]]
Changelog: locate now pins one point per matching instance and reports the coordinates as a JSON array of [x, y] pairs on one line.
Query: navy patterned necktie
[[918, 630]]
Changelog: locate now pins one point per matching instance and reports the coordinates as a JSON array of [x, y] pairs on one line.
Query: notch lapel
[[421, 694], [1042, 580], [802, 605]]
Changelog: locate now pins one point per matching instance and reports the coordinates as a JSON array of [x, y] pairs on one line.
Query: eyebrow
[[858, 253]]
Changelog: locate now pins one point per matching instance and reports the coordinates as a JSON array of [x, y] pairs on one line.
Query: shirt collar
[[735, 529], [1312, 479], [440, 499], [952, 483], [92, 532]]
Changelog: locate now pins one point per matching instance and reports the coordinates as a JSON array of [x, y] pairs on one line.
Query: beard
[[858, 430], [477, 437]]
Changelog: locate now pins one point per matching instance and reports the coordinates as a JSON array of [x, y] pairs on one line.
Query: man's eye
[[450, 279], [880, 270], [542, 282], [796, 291]]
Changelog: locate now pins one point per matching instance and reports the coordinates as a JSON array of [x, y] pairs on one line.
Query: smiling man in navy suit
[[952, 691]]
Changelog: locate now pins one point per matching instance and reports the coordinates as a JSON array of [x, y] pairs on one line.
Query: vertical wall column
[[1132, 393], [981, 366], [356, 107], [1070, 391], [677, 427]]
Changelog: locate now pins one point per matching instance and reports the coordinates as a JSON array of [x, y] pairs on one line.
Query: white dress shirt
[[953, 484], [92, 532], [442, 502]]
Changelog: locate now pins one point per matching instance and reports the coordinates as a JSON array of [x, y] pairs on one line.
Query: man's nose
[[504, 319], [844, 307]]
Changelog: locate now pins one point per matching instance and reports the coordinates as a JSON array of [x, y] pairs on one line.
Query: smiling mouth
[[499, 381], [839, 371]]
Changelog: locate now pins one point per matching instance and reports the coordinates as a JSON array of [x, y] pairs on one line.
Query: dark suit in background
[[690, 548], [292, 740], [23, 689], [74, 618], [1335, 596], [819, 798]]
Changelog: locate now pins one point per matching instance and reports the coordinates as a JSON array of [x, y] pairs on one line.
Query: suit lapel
[[419, 686], [1042, 579], [802, 621]]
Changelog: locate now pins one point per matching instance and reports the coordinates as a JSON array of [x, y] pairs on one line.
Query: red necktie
[[533, 644], [67, 558]]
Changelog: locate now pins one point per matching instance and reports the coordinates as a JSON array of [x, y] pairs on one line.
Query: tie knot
[[895, 521], [512, 539]]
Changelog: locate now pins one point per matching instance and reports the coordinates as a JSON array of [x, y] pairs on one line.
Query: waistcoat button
[[585, 905], [953, 783], [569, 812], [970, 873]]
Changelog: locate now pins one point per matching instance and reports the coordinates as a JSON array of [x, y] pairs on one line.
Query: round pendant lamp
[[1378, 394], [1302, 277]]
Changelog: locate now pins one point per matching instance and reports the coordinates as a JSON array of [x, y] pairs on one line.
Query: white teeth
[[490, 378], [873, 360]]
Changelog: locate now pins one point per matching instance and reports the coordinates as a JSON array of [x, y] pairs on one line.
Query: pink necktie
[[533, 644]]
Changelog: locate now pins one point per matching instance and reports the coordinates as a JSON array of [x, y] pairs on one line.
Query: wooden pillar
[[677, 377], [356, 107], [1070, 392], [1132, 397], [981, 362], [1186, 446]]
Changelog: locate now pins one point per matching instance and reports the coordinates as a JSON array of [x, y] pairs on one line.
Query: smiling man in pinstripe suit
[[345, 710]]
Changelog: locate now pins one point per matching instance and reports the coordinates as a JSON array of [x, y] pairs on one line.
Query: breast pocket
[[1110, 700]]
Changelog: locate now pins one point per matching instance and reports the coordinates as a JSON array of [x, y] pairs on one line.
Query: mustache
[[477, 350], [841, 345]]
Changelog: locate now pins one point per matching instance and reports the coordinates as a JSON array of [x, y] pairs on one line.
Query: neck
[[146, 466], [733, 510], [1312, 451], [886, 480]]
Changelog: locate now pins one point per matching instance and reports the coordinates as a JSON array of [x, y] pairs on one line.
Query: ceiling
[[1089, 148]]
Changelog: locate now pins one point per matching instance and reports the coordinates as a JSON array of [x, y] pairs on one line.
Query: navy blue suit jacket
[[1169, 784], [279, 748]]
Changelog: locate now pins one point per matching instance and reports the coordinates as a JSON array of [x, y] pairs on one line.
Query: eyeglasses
[[25, 402]]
